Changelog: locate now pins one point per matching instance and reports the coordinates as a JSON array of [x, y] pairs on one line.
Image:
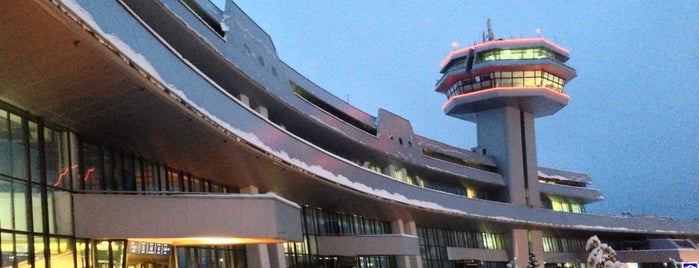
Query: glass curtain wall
[[42, 165], [320, 222], [434, 242], [35, 221]]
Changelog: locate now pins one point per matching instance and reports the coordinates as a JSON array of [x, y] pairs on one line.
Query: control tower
[[502, 85]]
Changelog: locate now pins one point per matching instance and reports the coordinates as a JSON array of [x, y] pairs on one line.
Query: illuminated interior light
[[193, 241], [478, 92]]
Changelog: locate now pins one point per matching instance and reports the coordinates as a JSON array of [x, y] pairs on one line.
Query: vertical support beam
[[250, 189], [519, 251], [276, 255], [499, 133], [536, 245], [244, 99], [257, 256], [263, 255], [390, 171], [507, 134], [529, 154], [409, 228], [262, 111]]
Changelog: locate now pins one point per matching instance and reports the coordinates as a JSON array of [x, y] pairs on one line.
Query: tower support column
[[499, 134], [507, 134]]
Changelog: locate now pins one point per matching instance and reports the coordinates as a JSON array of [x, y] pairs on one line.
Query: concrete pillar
[[257, 256], [536, 245], [244, 99], [397, 227], [390, 171], [507, 134], [262, 111], [409, 228], [529, 137], [250, 189], [263, 255], [276, 255], [519, 251]]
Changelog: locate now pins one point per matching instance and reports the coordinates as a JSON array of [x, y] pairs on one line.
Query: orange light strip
[[194, 241], [65, 172], [89, 171], [63, 175], [466, 95]]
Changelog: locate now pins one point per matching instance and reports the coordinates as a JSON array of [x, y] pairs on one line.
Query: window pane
[[60, 217], [52, 149], [6, 201], [36, 208], [19, 205], [18, 164], [34, 149], [90, 170], [61, 252], [4, 142]]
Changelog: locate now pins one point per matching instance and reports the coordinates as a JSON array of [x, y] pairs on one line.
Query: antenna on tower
[[491, 35]]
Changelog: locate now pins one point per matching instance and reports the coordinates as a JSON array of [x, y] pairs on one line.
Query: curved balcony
[[586, 195], [539, 101]]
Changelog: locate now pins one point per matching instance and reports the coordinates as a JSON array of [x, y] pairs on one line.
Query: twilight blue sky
[[632, 122]]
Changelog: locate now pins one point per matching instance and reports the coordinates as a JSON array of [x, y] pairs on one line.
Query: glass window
[[175, 181], [529, 82], [57, 167], [160, 177], [60, 212], [18, 204], [149, 182], [186, 185], [12, 146], [138, 175], [108, 170], [130, 171], [90, 169], [37, 208], [34, 163], [7, 200], [61, 252], [197, 184]]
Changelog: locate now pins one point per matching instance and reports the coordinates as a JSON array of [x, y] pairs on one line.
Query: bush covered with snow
[[601, 254]]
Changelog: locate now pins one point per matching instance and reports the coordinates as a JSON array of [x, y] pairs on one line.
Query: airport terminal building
[[170, 134]]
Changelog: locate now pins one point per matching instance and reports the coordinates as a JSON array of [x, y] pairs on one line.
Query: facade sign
[[149, 248], [690, 265]]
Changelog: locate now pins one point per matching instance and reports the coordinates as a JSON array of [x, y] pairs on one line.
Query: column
[[408, 228], [536, 245], [519, 251], [263, 255]]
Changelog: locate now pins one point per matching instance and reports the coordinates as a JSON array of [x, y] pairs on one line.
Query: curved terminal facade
[[169, 134]]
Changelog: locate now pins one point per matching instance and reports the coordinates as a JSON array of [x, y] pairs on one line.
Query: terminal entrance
[[145, 254], [150, 254], [139, 261]]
